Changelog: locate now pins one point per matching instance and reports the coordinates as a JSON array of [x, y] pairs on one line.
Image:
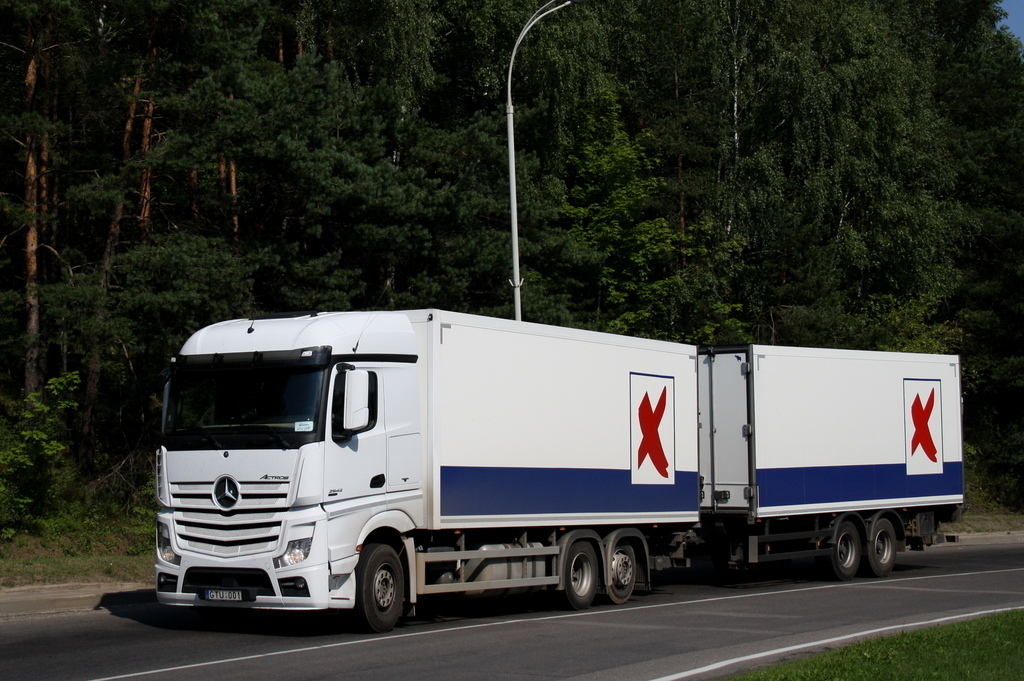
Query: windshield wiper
[[270, 430], [209, 436]]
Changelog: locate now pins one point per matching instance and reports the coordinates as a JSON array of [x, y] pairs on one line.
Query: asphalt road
[[692, 625]]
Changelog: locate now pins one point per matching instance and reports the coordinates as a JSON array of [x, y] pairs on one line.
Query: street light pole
[[516, 281]]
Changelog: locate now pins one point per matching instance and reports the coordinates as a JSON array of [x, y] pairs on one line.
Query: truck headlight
[[164, 551], [296, 552]]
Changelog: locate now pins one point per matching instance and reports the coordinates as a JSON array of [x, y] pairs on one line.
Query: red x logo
[[650, 445], [922, 433]]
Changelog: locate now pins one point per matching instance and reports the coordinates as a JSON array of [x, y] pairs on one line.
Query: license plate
[[223, 595]]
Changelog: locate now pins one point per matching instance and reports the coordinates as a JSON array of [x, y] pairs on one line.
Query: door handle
[[377, 481]]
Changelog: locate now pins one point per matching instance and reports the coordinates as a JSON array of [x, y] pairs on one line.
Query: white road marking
[[826, 641], [595, 613]]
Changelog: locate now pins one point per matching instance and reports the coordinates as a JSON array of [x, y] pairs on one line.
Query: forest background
[[800, 172]]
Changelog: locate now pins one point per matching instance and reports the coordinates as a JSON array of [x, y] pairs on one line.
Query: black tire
[[581, 573], [380, 587], [844, 561], [622, 574], [879, 550]]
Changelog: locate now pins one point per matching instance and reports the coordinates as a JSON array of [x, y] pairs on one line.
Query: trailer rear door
[[726, 447]]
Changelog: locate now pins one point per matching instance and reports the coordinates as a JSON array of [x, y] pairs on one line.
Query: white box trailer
[[790, 437], [534, 425], [365, 460]]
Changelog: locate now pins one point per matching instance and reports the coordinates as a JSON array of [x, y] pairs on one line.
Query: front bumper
[[256, 585], [202, 578]]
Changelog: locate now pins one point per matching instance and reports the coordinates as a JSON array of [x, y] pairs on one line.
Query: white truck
[[363, 460]]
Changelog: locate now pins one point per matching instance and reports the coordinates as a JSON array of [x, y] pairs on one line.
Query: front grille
[[252, 495], [219, 534]]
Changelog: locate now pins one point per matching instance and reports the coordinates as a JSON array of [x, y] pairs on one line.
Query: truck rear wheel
[[581, 575], [623, 574], [844, 560], [380, 587], [880, 550]]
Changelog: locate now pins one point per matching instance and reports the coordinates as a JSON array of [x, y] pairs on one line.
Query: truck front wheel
[[380, 587], [581, 575]]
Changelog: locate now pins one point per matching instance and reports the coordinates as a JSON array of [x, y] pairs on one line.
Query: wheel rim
[[883, 547], [384, 588], [845, 551], [622, 569], [581, 574]]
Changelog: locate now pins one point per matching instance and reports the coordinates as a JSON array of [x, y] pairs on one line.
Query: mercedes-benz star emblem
[[225, 492]]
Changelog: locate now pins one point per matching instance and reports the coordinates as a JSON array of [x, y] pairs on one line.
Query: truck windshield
[[239, 408]]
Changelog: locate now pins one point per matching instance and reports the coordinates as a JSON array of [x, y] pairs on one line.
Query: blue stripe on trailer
[[477, 490], [834, 484]]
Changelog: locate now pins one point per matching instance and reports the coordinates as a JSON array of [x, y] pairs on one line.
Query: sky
[[1015, 8]]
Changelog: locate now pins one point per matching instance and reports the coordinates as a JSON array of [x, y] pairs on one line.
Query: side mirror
[[357, 401]]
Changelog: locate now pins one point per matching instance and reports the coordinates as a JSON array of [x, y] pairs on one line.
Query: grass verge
[[986, 522], [986, 649], [79, 551], [47, 570]]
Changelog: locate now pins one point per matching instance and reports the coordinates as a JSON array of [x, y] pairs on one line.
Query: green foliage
[[911, 327], [653, 278], [34, 443], [694, 304], [178, 282], [831, 175], [608, 208], [779, 171], [980, 93], [91, 525]]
